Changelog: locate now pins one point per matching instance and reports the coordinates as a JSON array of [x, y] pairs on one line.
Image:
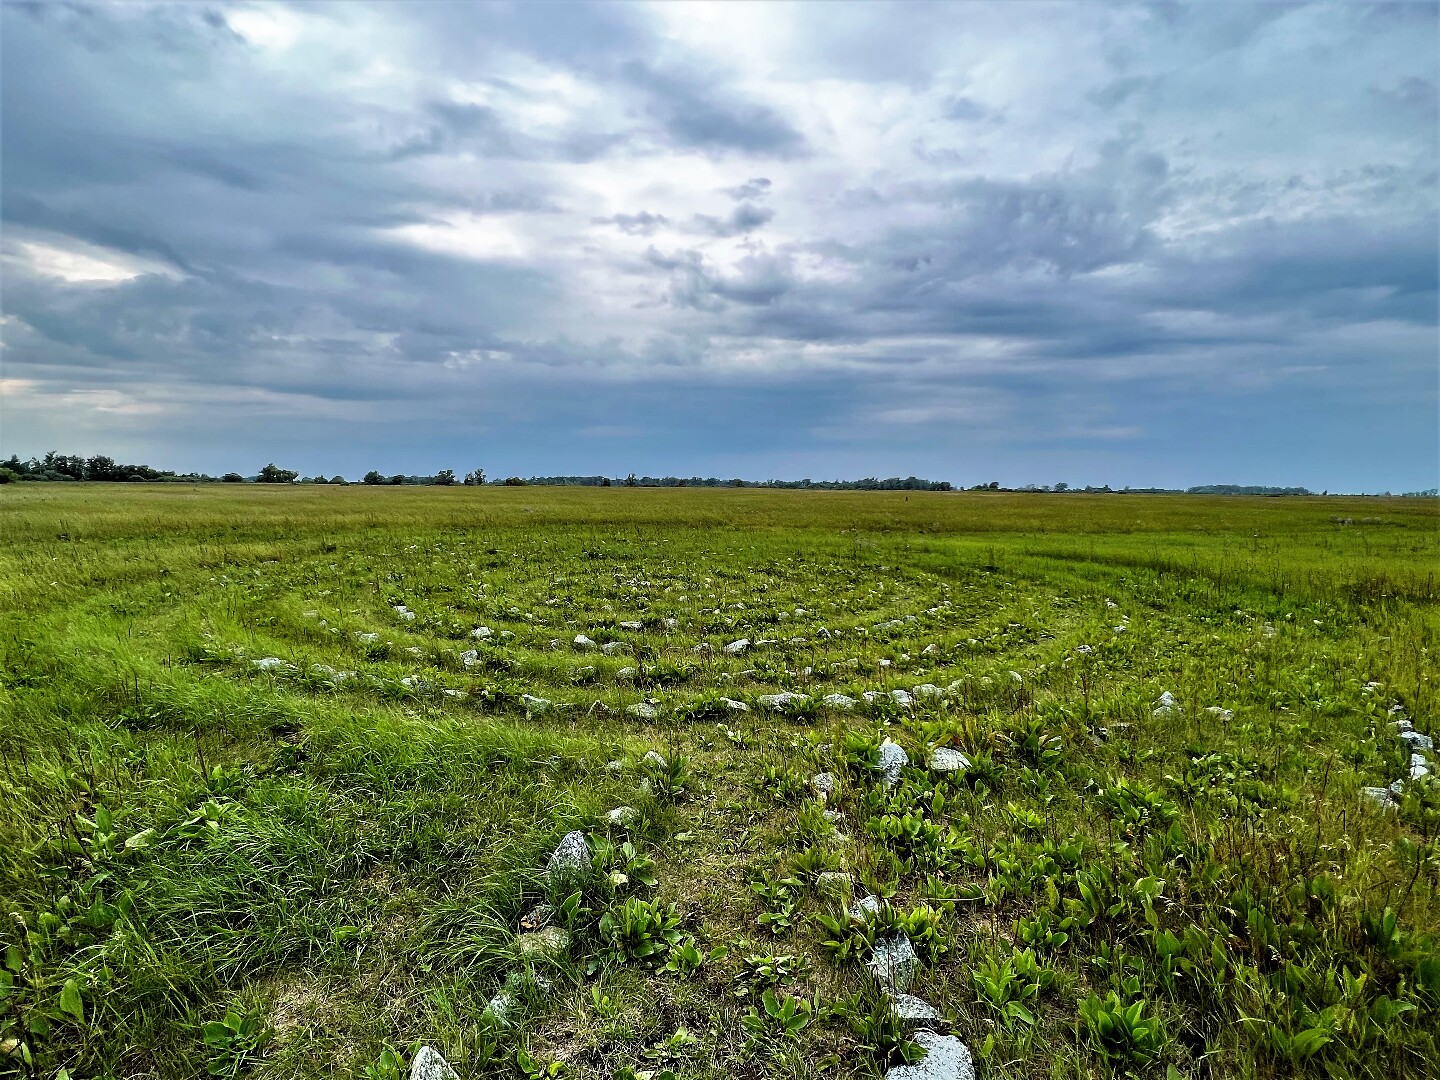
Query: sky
[[1126, 244]]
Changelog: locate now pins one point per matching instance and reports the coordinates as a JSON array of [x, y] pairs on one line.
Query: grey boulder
[[429, 1065], [892, 759], [894, 963], [948, 759], [946, 1058]]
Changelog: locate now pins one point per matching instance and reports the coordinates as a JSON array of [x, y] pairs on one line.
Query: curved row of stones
[[1420, 746], [894, 963], [569, 864]]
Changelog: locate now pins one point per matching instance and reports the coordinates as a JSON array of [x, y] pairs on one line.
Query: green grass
[[205, 865]]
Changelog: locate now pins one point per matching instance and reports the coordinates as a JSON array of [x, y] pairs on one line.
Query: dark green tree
[[273, 474]]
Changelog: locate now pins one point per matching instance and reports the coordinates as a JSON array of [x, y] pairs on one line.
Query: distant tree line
[[68, 467]]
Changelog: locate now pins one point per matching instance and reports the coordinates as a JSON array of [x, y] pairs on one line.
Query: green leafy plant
[[872, 1017], [1119, 1030], [781, 898], [641, 930], [233, 1041], [788, 1015]]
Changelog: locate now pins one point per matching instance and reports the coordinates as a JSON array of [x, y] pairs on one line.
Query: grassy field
[[259, 822]]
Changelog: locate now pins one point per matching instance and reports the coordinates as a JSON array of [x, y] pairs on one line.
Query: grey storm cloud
[[1072, 238], [745, 218]]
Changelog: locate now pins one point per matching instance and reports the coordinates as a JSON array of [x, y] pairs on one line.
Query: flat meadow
[[284, 768]]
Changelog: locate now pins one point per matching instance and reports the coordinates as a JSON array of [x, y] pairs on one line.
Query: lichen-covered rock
[[615, 648], [1419, 766], [501, 1006], [480, 633], [1417, 741], [927, 690], [946, 1058], [1380, 796], [892, 759], [427, 1064], [644, 710], [948, 759], [535, 704], [915, 1011], [823, 783], [547, 942], [894, 963], [784, 700], [902, 697], [838, 701], [866, 907], [570, 864], [622, 816], [653, 759], [632, 624]]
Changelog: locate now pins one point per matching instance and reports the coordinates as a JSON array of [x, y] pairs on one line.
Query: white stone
[[1380, 796], [501, 1005], [1166, 700], [571, 859], [469, 657], [535, 704], [823, 783], [1223, 715], [632, 624], [366, 638], [894, 963], [946, 1058], [653, 759], [480, 633], [614, 648], [583, 642], [735, 648], [404, 612], [783, 700], [643, 710], [549, 941], [268, 663], [838, 701], [735, 706], [1419, 766], [865, 908], [622, 816], [626, 673], [1417, 741], [948, 759], [892, 759], [429, 1065], [927, 690], [930, 650], [914, 1010]]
